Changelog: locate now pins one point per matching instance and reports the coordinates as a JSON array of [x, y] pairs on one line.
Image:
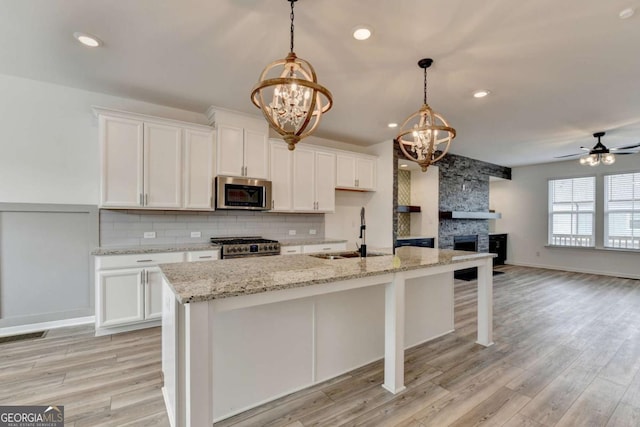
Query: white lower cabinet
[[153, 293], [129, 288], [196, 256], [313, 249], [290, 250], [325, 247], [120, 297]]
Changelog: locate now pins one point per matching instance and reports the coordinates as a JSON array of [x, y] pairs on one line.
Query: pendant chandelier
[[290, 97], [425, 136]]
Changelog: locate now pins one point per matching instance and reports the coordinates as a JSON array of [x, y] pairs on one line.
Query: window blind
[[622, 211], [571, 211]]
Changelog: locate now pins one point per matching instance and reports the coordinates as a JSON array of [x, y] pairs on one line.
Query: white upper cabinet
[[281, 159], [121, 145], [162, 166], [152, 163], [355, 172], [242, 152], [199, 152], [256, 154], [302, 180], [230, 151], [325, 171]]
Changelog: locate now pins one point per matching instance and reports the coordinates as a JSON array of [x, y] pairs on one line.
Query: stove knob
[[232, 250], [243, 249]]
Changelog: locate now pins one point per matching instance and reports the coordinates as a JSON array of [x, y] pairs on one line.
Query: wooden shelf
[[408, 209]]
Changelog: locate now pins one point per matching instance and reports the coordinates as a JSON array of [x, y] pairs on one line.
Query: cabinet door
[[198, 169], [153, 293], [121, 145], [366, 173], [162, 166], [345, 171], [326, 247], [198, 256], [304, 179], [280, 159], [230, 143], [120, 297], [256, 154], [325, 182]]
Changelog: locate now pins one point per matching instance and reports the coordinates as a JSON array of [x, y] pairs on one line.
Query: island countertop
[[204, 281]]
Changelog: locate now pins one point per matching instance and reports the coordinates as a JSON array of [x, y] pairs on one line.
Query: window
[[622, 211], [571, 211]]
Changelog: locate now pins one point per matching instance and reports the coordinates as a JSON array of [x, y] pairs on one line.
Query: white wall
[[424, 193], [49, 140], [523, 204], [380, 207], [345, 222]]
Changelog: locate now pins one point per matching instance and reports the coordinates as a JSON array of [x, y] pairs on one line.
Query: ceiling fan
[[600, 153]]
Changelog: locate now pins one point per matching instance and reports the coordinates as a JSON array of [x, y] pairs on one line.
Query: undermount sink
[[344, 255]]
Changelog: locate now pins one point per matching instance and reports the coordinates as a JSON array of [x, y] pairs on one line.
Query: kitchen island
[[238, 333]]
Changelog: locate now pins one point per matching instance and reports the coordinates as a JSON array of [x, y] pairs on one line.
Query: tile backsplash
[[128, 227]]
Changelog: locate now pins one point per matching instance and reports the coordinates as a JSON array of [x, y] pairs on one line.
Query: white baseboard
[[35, 327], [575, 270]]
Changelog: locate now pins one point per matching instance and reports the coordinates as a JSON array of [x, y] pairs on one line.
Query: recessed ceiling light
[[362, 32], [626, 13], [481, 93], [87, 39], [404, 165], [392, 125]]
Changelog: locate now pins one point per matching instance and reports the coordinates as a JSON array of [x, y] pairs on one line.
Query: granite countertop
[[204, 281], [151, 249], [319, 241]]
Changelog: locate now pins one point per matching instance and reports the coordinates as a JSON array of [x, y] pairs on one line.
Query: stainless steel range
[[240, 247]]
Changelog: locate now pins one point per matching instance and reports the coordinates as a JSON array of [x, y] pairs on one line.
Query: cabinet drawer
[[137, 260], [290, 250], [195, 256], [327, 247]]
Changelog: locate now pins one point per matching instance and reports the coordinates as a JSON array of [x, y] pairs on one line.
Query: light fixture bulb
[[392, 125], [481, 93], [626, 13], [584, 160], [87, 39], [361, 33], [608, 159]]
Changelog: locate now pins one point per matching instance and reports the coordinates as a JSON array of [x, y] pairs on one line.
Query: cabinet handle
[[205, 257], [326, 249], [146, 199], [291, 251], [273, 204], [146, 277], [141, 200], [144, 260]]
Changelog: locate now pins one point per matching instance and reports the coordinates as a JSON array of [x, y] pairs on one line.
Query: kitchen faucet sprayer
[[363, 234]]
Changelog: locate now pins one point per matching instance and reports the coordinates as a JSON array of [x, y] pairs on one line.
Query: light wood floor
[[567, 353]]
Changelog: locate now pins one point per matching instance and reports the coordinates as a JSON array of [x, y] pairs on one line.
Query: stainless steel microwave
[[234, 192]]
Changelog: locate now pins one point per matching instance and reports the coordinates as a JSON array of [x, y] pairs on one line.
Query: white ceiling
[[558, 70]]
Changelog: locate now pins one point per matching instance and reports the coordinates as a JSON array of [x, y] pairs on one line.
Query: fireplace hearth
[[467, 242]]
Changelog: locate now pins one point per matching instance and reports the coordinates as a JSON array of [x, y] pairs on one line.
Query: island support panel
[[274, 343]]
